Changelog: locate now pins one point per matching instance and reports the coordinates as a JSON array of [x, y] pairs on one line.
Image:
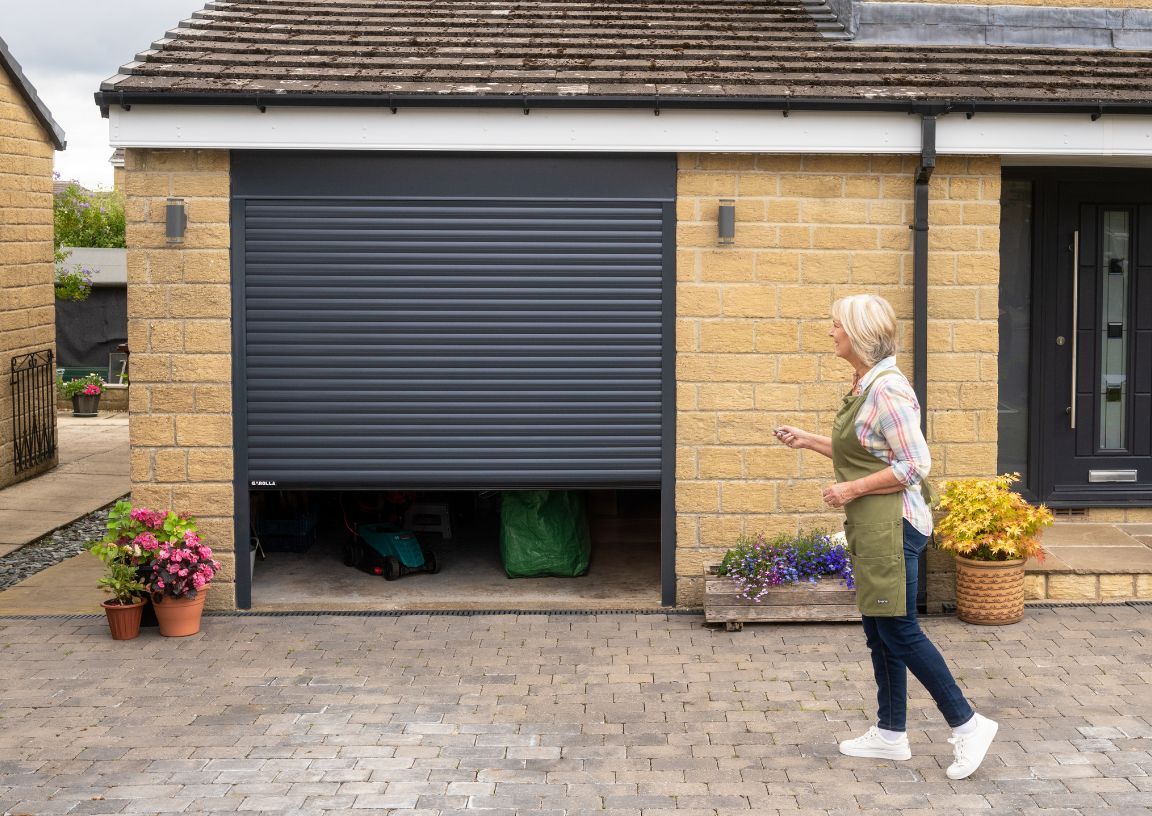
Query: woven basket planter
[[989, 593], [826, 600]]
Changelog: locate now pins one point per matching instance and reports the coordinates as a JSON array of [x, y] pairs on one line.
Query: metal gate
[[33, 409]]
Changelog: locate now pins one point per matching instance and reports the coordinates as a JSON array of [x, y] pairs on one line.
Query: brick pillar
[[27, 298], [180, 336]]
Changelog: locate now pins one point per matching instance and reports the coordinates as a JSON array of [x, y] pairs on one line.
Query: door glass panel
[[1015, 326], [1114, 329]]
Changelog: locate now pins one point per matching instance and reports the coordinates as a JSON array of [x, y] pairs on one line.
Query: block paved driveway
[[560, 714]]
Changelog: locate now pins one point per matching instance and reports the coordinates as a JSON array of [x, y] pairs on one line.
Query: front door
[[1095, 344]]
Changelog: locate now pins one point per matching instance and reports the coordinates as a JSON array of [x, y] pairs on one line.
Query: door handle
[[1075, 319]]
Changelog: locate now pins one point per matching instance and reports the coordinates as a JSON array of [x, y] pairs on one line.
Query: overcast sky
[[67, 47]]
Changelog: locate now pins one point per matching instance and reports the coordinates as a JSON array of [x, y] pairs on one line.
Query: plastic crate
[[287, 535]]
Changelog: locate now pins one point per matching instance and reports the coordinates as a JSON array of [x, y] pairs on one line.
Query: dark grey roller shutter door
[[453, 343]]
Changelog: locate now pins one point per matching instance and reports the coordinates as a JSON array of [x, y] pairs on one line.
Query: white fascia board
[[622, 131], [1044, 134], [508, 129]]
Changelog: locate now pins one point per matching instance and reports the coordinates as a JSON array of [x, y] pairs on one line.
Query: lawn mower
[[384, 549]]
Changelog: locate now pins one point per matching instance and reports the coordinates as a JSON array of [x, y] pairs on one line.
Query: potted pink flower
[[181, 570], [173, 564], [85, 394]]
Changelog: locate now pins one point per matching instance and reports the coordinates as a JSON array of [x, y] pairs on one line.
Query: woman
[[880, 459]]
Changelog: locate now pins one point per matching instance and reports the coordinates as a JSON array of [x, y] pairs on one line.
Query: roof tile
[[737, 48]]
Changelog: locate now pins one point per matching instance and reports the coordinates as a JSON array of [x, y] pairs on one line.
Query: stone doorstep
[[1092, 562]]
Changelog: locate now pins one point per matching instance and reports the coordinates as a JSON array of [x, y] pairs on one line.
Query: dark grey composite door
[[429, 326], [1097, 395]]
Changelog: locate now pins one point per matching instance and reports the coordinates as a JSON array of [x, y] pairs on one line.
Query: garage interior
[[303, 538]]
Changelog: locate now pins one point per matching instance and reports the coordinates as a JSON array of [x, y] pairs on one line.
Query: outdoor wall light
[[726, 221], [175, 220]]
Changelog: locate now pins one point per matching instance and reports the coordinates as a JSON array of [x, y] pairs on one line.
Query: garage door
[[444, 332]]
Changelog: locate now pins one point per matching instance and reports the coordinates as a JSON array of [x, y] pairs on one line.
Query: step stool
[[429, 518]]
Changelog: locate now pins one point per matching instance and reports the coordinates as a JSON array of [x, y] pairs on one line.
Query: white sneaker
[[875, 746], [970, 750]]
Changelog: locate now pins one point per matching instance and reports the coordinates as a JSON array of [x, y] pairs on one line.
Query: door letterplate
[[1111, 476]]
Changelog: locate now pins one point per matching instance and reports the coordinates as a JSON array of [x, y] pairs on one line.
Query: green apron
[[875, 525]]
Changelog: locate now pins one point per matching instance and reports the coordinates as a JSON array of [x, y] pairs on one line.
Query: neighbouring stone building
[[526, 246], [28, 137]]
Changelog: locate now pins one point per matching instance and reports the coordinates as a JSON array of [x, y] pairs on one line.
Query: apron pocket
[[880, 585], [875, 539], [878, 565]]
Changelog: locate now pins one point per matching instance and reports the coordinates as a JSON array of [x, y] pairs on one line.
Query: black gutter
[[920, 265], [654, 102]]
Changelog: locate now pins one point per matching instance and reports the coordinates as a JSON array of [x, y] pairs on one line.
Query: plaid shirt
[[888, 426]]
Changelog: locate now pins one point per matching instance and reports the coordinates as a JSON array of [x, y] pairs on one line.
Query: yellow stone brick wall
[[752, 322], [27, 299], [180, 335]]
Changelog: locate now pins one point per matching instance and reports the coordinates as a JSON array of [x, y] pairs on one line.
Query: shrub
[[987, 521]]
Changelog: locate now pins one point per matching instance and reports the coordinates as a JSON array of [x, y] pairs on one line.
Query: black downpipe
[[920, 265], [920, 300]]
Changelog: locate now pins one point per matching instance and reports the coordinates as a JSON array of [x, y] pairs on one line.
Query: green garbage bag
[[544, 532]]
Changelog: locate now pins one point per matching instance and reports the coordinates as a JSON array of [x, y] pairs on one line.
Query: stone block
[[812, 185], [203, 499], [171, 466], [724, 266], [204, 431], [201, 300], [1117, 587], [202, 368], [1073, 588], [719, 463], [1144, 587], [151, 431], [771, 463], [720, 532], [698, 301], [749, 301], [748, 497], [726, 397], [1035, 587], [213, 399], [208, 336], [697, 497], [704, 184]]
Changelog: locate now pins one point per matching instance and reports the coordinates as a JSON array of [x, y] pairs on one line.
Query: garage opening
[[436, 550], [462, 328]]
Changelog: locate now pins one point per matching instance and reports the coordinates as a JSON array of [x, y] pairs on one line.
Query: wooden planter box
[[826, 600]]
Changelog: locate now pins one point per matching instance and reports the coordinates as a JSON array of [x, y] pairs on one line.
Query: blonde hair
[[870, 323]]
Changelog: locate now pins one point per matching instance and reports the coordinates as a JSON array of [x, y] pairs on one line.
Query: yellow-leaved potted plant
[[992, 530]]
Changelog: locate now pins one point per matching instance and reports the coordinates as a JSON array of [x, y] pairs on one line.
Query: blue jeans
[[898, 645]]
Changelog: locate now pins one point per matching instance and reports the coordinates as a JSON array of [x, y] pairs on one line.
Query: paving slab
[[68, 588], [1132, 559], [94, 471], [559, 714], [1096, 535]]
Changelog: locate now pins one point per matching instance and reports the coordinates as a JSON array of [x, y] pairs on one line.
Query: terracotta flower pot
[[990, 593], [123, 619], [179, 617]]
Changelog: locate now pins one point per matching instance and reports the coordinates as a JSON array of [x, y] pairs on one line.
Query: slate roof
[[35, 104], [572, 49]]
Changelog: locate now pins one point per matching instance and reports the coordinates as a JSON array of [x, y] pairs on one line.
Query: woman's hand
[[793, 437], [839, 494], [797, 439]]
